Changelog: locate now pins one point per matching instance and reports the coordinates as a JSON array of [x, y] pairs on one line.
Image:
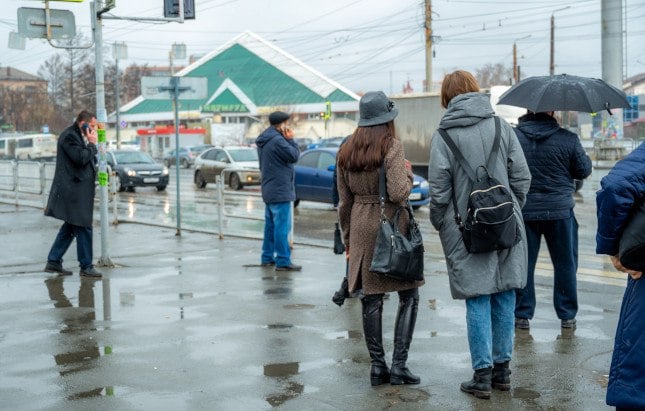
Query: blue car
[[314, 178]]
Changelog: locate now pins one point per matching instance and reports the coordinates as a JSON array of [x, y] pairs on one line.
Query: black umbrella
[[564, 92]]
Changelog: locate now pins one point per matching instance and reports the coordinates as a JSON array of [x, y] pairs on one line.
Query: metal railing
[[611, 149], [27, 183]]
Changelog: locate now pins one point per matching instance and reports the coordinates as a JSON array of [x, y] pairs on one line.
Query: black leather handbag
[[396, 255], [631, 249]]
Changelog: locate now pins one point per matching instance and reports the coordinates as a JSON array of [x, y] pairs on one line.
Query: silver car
[[241, 165]]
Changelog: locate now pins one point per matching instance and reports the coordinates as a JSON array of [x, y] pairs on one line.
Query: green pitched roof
[[266, 75]]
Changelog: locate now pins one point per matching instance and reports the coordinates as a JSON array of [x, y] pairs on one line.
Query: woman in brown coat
[[374, 142]]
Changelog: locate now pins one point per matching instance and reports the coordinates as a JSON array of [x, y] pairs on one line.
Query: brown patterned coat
[[359, 214]]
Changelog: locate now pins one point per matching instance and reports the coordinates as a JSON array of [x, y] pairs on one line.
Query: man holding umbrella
[[555, 158]]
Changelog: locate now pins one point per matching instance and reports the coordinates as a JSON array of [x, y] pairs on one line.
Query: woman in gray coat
[[487, 280], [374, 143]]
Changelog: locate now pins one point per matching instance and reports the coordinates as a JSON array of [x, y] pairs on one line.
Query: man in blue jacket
[[278, 153], [621, 191], [555, 158]]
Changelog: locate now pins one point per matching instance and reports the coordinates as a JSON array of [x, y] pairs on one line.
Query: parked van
[[28, 146]]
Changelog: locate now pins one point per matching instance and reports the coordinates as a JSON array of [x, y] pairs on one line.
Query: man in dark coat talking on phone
[[71, 197], [277, 153]]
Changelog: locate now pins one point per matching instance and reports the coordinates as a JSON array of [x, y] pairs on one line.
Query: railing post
[[42, 183], [220, 204], [115, 195], [14, 168]]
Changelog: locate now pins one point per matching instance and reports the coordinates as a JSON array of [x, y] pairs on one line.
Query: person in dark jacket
[[621, 190], [277, 153], [71, 197], [555, 158]]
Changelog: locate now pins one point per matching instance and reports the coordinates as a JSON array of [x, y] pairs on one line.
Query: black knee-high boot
[[372, 328], [406, 318]]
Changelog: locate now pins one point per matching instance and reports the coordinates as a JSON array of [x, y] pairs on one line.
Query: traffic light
[[171, 9]]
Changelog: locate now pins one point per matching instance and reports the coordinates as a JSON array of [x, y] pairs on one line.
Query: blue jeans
[[277, 225], [64, 239], [491, 328], [561, 238]]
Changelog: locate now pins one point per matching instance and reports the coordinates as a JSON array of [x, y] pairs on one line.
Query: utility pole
[[552, 51], [428, 33], [552, 42], [515, 76], [611, 43]]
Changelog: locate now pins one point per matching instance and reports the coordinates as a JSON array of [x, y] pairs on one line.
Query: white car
[[241, 164]]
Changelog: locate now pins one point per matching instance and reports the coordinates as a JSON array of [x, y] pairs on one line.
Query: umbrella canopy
[[564, 92]]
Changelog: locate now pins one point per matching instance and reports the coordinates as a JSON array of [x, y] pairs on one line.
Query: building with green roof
[[248, 78]]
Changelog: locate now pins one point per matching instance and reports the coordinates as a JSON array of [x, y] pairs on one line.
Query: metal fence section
[[611, 149], [228, 212]]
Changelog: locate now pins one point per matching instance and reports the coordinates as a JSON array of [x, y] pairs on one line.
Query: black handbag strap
[[382, 193], [382, 189], [464, 164]]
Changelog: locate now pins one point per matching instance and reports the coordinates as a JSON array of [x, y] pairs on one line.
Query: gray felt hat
[[376, 108]]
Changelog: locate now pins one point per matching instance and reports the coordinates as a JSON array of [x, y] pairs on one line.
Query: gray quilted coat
[[359, 214], [469, 122]]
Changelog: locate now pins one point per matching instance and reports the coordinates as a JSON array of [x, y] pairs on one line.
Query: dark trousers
[[561, 238], [64, 239]]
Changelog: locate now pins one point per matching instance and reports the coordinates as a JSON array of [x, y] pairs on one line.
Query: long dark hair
[[366, 148]]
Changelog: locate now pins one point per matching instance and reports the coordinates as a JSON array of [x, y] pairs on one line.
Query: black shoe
[[501, 376], [480, 386], [290, 267], [568, 323], [522, 323], [90, 272], [56, 268], [269, 264]]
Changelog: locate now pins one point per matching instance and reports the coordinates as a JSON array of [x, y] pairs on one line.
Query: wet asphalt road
[[192, 323]]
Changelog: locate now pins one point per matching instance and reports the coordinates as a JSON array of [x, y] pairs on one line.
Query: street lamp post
[[120, 51]]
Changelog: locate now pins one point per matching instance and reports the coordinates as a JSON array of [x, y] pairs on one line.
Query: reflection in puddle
[[97, 392], [281, 370], [126, 298], [279, 326], [278, 292], [299, 306], [344, 335], [292, 390]]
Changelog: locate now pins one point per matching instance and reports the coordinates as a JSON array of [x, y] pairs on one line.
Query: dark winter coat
[[277, 156], [555, 158], [71, 197], [359, 214], [469, 122], [621, 189]]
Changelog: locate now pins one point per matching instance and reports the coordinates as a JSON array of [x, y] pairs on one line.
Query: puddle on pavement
[[394, 395], [279, 326], [281, 370], [299, 306], [344, 335], [291, 391], [96, 392], [525, 394], [278, 292]]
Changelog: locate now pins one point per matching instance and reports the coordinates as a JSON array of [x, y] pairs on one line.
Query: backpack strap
[[464, 164], [498, 136]]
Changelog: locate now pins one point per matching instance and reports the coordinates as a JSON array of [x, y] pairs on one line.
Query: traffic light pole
[[101, 116]]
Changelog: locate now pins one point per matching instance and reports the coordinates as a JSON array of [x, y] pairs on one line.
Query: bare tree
[[493, 75], [131, 81]]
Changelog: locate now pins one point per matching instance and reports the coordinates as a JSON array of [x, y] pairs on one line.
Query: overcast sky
[[363, 44]]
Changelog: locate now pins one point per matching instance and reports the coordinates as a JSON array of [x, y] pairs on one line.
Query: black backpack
[[490, 221]]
